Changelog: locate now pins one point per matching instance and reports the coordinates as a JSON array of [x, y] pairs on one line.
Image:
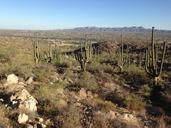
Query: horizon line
[[68, 28]]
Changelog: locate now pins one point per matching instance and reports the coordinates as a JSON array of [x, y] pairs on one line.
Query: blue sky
[[53, 14]]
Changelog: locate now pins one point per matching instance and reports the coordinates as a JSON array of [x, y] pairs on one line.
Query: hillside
[[93, 33]]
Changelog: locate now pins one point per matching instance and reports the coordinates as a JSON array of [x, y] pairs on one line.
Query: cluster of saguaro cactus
[[47, 55], [153, 65], [36, 54], [84, 55]]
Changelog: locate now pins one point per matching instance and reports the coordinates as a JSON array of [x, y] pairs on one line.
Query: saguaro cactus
[[88, 51], [152, 66], [50, 54], [84, 55], [36, 54], [121, 59]]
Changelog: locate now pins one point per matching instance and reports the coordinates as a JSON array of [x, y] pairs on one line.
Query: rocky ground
[[83, 103]]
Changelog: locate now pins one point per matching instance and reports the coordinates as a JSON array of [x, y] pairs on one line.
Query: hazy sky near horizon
[[54, 14]]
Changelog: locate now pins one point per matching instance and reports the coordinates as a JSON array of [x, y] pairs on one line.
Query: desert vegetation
[[85, 82]]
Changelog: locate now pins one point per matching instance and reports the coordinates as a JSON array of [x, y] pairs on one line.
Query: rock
[[12, 79], [82, 93], [130, 119], [14, 87], [25, 100], [29, 126], [39, 125], [1, 100], [95, 95], [30, 80], [40, 119], [112, 115], [90, 95], [22, 118]]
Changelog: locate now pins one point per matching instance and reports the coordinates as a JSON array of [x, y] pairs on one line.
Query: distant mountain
[[92, 32], [133, 29]]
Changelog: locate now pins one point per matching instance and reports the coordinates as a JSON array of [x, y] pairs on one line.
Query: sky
[[63, 14]]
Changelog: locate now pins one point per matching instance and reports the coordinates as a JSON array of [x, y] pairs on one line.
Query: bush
[[87, 81], [134, 102], [135, 76], [43, 72], [4, 122], [51, 99], [126, 100]]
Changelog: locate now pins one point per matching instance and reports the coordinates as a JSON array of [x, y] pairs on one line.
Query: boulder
[[12, 79], [24, 100], [22, 118]]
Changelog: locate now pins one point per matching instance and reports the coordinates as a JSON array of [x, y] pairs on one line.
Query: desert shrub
[[117, 124], [115, 98], [43, 72], [100, 121], [51, 98], [4, 58], [103, 78], [104, 106], [5, 54], [135, 76], [134, 102], [95, 68], [126, 100], [62, 65], [145, 90], [72, 117], [4, 121], [87, 81], [23, 71]]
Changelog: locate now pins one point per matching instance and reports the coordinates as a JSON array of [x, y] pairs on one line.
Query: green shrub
[[95, 68], [43, 72], [134, 102], [87, 81], [135, 76], [126, 100], [50, 98]]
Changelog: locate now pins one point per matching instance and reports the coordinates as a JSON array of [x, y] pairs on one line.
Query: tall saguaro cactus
[[152, 65], [121, 60], [36, 54]]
